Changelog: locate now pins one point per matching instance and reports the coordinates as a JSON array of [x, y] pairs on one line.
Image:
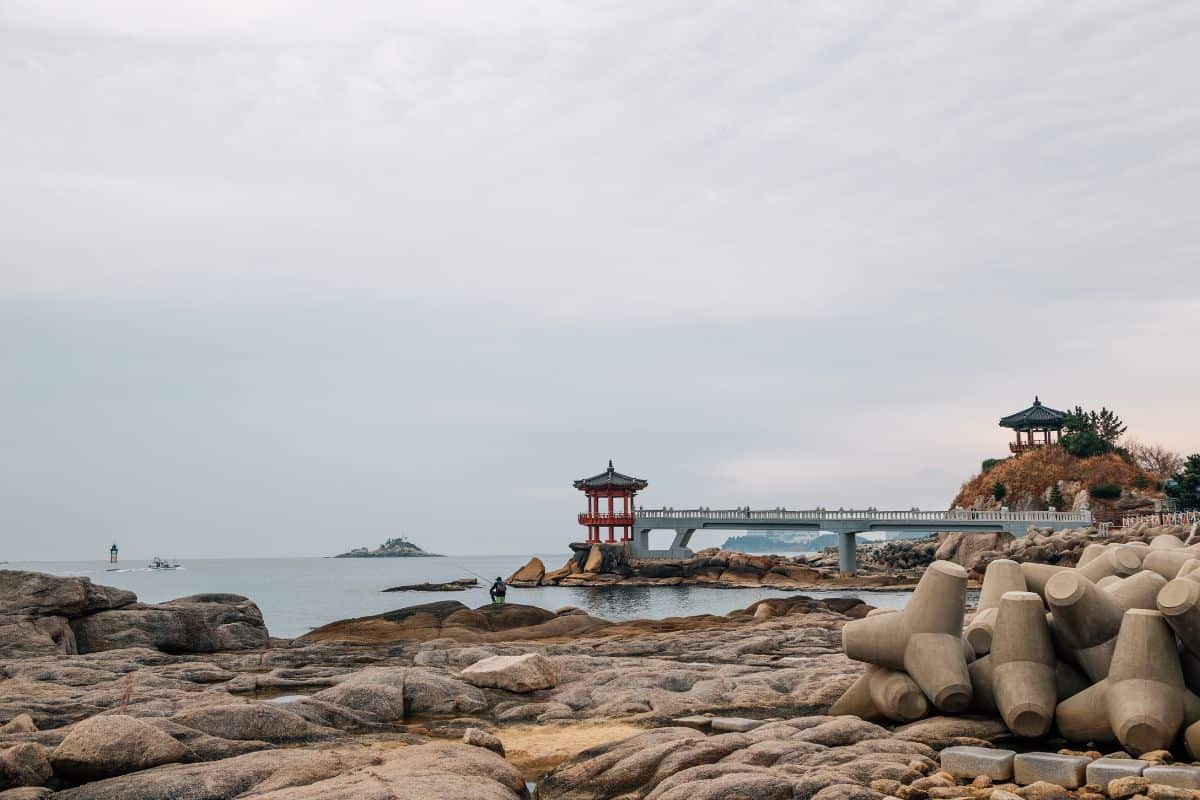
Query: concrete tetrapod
[[1093, 550], [1023, 664], [1168, 563], [1117, 560], [1165, 541], [1002, 576], [1137, 591], [1087, 618], [924, 640], [1142, 703], [1068, 682], [883, 693], [1179, 602], [1037, 575]]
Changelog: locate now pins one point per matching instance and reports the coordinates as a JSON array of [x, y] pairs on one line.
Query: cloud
[[804, 250]]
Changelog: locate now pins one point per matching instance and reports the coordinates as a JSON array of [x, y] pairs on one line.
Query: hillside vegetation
[[1106, 482]]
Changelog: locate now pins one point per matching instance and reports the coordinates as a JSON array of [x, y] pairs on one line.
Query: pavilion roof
[[611, 479], [1037, 416]]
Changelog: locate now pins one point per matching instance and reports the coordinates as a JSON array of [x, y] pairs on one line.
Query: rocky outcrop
[[529, 575], [39, 594], [145, 723], [46, 614], [36, 610], [203, 623], [823, 757], [606, 564], [1030, 479], [967, 549], [257, 722], [457, 585], [393, 548], [450, 619]]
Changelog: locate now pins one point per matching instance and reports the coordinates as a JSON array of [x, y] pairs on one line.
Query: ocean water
[[299, 594]]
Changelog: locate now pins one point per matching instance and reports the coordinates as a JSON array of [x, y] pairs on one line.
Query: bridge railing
[[604, 518], [820, 515], [1163, 518]]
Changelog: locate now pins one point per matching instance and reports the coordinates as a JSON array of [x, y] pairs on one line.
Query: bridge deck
[[844, 522]]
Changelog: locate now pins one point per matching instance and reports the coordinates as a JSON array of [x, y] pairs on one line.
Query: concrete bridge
[[845, 524]]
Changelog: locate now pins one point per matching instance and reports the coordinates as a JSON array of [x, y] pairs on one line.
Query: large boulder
[[965, 549], [252, 722], [595, 559], [525, 673], [22, 723], [39, 594], [393, 693], [108, 745], [24, 764], [202, 623], [27, 636], [529, 575]]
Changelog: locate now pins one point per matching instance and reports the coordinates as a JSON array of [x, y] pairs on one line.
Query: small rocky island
[[398, 547]]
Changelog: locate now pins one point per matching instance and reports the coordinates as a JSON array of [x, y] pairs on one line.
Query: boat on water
[[157, 563]]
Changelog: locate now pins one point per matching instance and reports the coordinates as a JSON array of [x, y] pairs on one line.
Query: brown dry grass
[[1036, 471]]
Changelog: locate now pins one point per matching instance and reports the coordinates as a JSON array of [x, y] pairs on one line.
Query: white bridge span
[[845, 523]]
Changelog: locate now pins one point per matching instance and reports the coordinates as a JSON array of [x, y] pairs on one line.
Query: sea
[[299, 594]]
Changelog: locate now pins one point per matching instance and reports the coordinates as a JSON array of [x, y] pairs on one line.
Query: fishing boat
[[157, 563]]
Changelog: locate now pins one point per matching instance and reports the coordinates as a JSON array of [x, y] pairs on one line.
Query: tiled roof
[[1036, 416], [611, 479]]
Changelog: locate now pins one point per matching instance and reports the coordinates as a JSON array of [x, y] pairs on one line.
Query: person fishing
[[498, 591]]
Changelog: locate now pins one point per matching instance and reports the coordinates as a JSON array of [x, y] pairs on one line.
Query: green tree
[[1107, 425], [1184, 486], [999, 490], [1091, 433], [1077, 421], [1056, 498]]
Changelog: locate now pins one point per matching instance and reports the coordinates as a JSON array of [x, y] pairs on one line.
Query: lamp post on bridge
[[611, 485]]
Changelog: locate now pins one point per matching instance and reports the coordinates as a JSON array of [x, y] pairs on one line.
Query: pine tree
[[1056, 498]]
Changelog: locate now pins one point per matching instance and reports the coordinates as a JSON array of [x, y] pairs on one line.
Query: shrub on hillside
[[988, 463], [1055, 500], [999, 491], [1104, 491], [1084, 444]]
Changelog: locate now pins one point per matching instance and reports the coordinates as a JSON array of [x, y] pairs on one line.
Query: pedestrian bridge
[[845, 523]]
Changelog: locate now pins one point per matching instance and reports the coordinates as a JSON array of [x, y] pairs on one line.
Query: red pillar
[[610, 513]]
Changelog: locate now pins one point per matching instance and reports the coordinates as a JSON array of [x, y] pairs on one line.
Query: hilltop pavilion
[[1041, 425]]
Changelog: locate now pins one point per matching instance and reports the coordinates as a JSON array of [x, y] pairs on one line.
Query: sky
[[284, 278]]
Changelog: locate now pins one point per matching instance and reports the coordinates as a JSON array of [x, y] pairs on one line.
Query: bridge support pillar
[[847, 563]]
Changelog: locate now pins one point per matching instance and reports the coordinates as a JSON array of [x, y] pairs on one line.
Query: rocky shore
[[881, 565], [105, 697], [609, 565]]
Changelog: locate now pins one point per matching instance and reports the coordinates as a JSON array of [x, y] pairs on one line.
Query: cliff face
[[1030, 479]]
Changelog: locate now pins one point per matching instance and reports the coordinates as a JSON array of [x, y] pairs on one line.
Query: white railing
[[1166, 518], [822, 514]]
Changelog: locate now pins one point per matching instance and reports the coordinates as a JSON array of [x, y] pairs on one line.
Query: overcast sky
[[282, 278]]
